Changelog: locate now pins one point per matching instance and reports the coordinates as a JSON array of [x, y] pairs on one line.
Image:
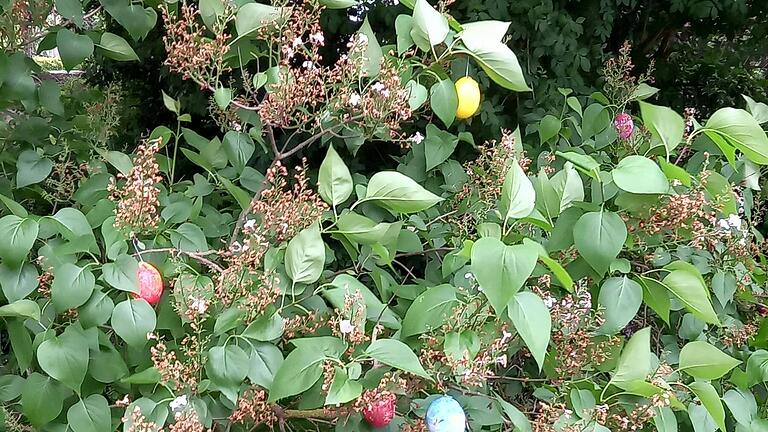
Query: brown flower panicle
[[252, 407], [137, 198], [191, 52]]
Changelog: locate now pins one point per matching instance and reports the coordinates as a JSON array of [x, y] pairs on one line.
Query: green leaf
[[568, 185], [518, 197], [107, 365], [42, 399], [90, 415], [132, 320], [640, 175], [210, 10], [222, 96], [21, 342], [488, 31], [742, 131], [656, 296], [438, 146], [18, 236], [171, 104], [711, 401], [643, 91], [49, 94], [116, 48], [65, 358], [620, 298], [742, 405], [549, 127], [121, 274], [757, 367], [531, 319], [394, 353], [635, 360], [265, 328], [72, 286], [241, 196], [342, 389], [265, 361], [227, 366], [74, 226], [403, 27], [305, 256], [11, 387], [253, 16], [21, 308], [704, 361], [518, 419], [399, 193], [417, 93], [501, 270], [599, 237], [583, 163], [338, 4], [31, 168], [300, 371], [429, 310], [665, 420], [687, 285], [444, 101], [334, 179], [73, 48], [71, 10], [375, 309], [758, 110], [429, 25], [666, 126], [359, 229], [14, 207], [189, 237], [239, 148], [137, 20], [496, 59], [18, 280], [373, 53], [97, 310]]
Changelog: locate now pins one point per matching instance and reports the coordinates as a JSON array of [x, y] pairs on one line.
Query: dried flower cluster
[[277, 216], [137, 198], [620, 83], [183, 374], [349, 322], [139, 423], [737, 336], [573, 324], [187, 421], [191, 52], [306, 324], [482, 190], [252, 407]]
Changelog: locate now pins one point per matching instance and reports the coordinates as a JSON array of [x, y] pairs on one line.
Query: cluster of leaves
[[592, 270]]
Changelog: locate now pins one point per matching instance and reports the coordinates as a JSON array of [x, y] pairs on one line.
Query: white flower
[[308, 64], [362, 38], [549, 302], [379, 87], [734, 221], [723, 224], [468, 275], [317, 38], [249, 224], [416, 138], [297, 42], [179, 403], [199, 305], [354, 99], [346, 327], [502, 361], [505, 336]]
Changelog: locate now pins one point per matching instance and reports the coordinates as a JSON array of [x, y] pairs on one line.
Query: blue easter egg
[[446, 415]]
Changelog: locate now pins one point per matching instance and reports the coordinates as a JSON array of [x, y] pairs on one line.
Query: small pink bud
[[624, 125]]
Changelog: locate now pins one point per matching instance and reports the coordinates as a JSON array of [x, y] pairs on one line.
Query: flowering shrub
[[598, 270]]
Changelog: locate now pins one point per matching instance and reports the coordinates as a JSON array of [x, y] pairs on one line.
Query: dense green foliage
[[332, 237]]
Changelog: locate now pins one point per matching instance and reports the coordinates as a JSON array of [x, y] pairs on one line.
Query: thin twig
[[198, 256]]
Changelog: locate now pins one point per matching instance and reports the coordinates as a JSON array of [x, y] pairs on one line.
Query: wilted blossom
[[346, 327], [624, 125]]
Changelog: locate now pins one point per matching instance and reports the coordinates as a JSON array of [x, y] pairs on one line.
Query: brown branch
[[319, 413], [198, 256], [424, 252]]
